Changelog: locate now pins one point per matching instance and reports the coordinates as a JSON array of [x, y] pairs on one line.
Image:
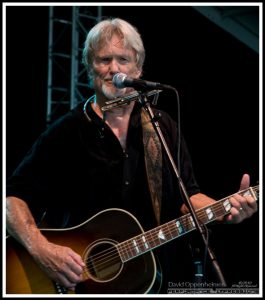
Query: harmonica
[[121, 101]]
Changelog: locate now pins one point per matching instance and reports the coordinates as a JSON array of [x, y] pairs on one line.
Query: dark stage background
[[217, 79]]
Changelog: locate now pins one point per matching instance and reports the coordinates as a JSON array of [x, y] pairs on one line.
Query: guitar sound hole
[[103, 261]]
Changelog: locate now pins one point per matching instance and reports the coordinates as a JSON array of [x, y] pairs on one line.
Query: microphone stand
[[146, 105]]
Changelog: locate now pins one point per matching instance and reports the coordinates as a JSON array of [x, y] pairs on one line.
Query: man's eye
[[105, 59], [123, 59]]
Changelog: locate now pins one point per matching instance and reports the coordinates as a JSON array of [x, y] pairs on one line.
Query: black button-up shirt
[[78, 168]]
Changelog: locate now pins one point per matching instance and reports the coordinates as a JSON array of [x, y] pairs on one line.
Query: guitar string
[[112, 253], [217, 208], [114, 257], [186, 223], [141, 244], [186, 218], [100, 261]]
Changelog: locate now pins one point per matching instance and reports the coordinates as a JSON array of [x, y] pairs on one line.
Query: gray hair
[[101, 34]]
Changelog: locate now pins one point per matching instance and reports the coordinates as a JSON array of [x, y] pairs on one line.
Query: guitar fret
[[227, 205], [132, 248], [156, 238], [122, 252], [150, 239], [187, 222], [255, 192], [180, 228], [145, 242], [249, 192], [208, 214], [166, 232], [125, 251], [136, 248], [160, 235], [172, 229], [142, 243], [191, 221], [221, 209]]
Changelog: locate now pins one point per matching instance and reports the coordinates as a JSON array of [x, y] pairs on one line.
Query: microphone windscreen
[[118, 80]]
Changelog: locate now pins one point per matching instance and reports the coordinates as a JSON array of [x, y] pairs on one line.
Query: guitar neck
[[160, 235]]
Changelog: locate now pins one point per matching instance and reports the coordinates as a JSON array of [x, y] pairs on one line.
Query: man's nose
[[114, 66]]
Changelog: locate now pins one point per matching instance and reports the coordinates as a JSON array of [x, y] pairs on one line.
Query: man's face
[[111, 59]]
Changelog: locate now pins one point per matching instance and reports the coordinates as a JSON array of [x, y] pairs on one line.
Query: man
[[89, 161]]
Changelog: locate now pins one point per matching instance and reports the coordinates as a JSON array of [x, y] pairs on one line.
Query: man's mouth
[[108, 80]]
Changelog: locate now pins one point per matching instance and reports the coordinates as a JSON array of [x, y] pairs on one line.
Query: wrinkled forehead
[[115, 45], [112, 36]]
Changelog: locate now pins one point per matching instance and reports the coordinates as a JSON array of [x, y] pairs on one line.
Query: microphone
[[121, 81]]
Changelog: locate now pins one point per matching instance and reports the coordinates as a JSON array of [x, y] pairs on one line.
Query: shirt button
[[127, 182]]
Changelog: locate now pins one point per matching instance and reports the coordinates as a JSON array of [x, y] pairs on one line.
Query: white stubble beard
[[109, 94]]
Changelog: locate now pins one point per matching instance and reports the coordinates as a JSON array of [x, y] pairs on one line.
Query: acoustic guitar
[[116, 250]]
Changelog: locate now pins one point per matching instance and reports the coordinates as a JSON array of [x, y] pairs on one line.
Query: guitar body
[[106, 274], [116, 251]]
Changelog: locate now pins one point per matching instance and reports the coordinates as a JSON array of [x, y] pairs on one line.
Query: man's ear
[[139, 73]]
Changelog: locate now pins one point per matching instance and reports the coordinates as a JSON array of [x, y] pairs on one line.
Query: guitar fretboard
[[160, 235]]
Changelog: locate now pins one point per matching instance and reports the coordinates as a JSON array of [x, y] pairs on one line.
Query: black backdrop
[[217, 78]]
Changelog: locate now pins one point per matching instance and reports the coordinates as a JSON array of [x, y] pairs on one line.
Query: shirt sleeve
[[39, 176]]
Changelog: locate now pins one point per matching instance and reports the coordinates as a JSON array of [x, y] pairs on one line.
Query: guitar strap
[[153, 162]]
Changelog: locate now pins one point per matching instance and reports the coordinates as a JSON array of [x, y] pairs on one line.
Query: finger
[[253, 204], [235, 216], [77, 258], [236, 201], [72, 277], [71, 270], [67, 277], [75, 267], [247, 203], [245, 182], [245, 206], [64, 281]]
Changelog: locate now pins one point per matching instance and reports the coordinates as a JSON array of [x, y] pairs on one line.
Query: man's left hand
[[244, 206]]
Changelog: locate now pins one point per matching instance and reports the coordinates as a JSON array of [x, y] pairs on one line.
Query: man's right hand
[[60, 263]]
